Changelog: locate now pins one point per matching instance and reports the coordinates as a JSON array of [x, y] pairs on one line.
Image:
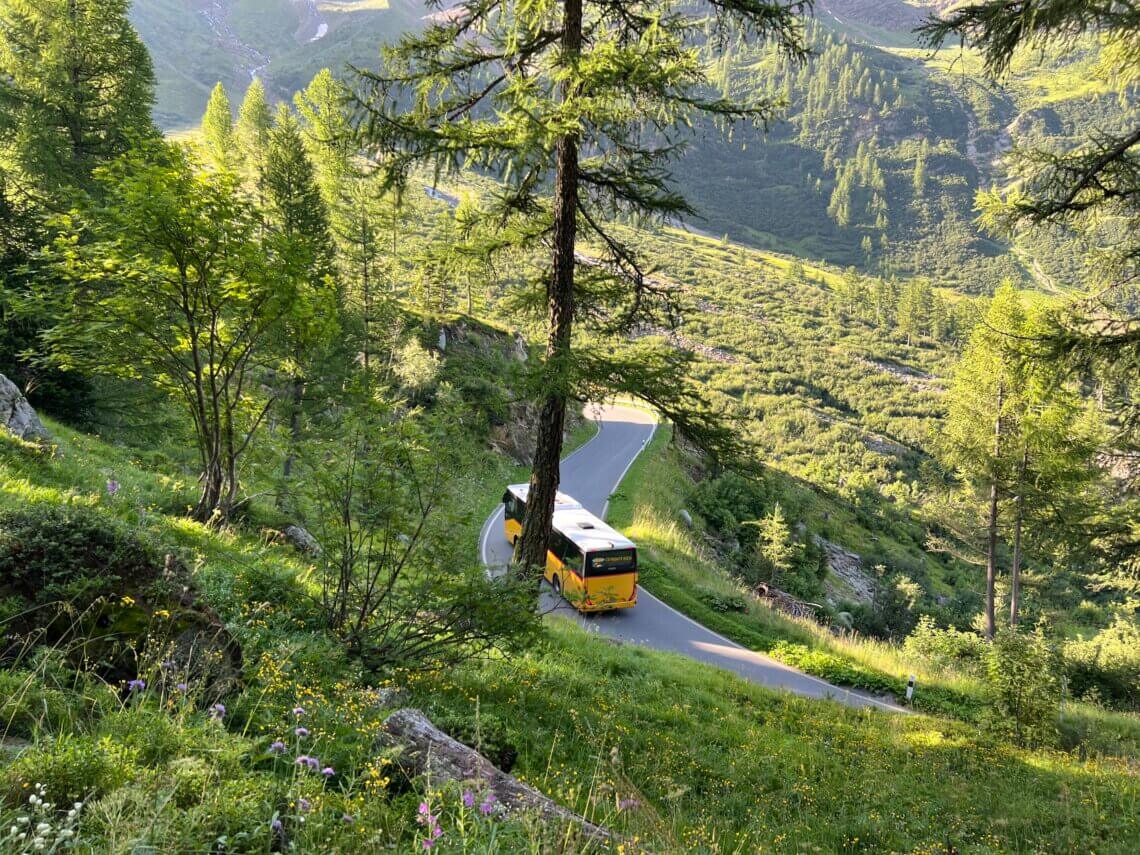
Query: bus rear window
[[612, 562]]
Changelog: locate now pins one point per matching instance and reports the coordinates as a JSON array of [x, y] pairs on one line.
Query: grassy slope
[[712, 763], [678, 570]]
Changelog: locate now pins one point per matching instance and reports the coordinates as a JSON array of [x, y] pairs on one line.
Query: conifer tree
[[587, 97], [299, 220], [77, 89], [218, 131], [252, 129], [327, 133]]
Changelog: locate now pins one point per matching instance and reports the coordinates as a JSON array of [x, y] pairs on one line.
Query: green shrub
[[950, 647], [1106, 665], [71, 767], [1021, 672], [723, 602], [70, 555], [43, 699]]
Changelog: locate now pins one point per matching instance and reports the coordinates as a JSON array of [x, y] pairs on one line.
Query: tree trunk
[[1015, 568], [992, 529], [531, 552]]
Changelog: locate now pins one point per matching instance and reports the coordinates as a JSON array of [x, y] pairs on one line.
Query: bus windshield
[[611, 562]]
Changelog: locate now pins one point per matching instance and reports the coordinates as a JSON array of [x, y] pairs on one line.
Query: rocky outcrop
[[428, 751], [846, 569], [17, 415]]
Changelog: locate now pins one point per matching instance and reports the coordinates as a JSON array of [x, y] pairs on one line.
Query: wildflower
[[303, 805], [277, 747], [423, 811], [167, 664], [328, 771], [217, 711], [628, 804], [347, 818], [302, 731], [136, 685], [468, 799], [112, 487], [181, 687], [126, 601], [276, 825], [428, 844], [488, 804], [302, 760], [163, 613], [298, 711]]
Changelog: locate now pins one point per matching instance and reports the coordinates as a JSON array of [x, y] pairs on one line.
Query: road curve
[[591, 474]]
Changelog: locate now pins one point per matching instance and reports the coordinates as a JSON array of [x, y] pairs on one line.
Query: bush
[[1106, 665], [68, 554], [44, 697], [1021, 671], [949, 648], [72, 768]]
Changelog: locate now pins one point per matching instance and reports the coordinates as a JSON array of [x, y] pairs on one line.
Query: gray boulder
[[17, 415], [302, 540]]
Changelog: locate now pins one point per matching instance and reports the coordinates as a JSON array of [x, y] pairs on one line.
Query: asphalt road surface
[[591, 474]]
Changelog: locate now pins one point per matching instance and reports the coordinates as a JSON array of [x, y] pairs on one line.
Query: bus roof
[[587, 532], [561, 500]]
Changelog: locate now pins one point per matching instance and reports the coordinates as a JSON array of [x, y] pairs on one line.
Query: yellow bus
[[589, 563]]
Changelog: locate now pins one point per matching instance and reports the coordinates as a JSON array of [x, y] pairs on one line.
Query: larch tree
[[218, 131], [984, 409], [577, 107], [77, 91], [327, 133], [298, 220], [252, 129], [1083, 188]]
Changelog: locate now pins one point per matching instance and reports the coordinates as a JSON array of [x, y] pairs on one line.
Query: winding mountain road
[[591, 474]]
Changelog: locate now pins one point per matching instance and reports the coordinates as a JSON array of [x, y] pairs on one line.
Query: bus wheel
[[515, 540]]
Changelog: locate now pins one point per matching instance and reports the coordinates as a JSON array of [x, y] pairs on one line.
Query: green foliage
[[145, 268], [78, 90], [949, 648], [71, 555], [1021, 672], [71, 767], [218, 131], [1106, 665]]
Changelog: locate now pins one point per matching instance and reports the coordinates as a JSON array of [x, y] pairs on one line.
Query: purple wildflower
[[303, 805], [428, 844], [347, 818], [136, 685], [328, 771], [302, 731], [488, 804], [628, 804], [277, 747], [167, 664], [302, 760], [276, 825], [112, 487], [298, 711], [424, 809], [468, 799], [313, 763], [217, 711]]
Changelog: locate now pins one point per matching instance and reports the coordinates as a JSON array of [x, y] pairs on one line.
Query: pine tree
[[918, 179], [775, 544], [77, 84], [218, 131], [560, 95]]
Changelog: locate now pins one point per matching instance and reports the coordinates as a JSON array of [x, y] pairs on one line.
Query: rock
[[302, 540], [429, 751], [519, 349], [686, 517], [12, 747], [17, 415], [847, 567], [390, 696]]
